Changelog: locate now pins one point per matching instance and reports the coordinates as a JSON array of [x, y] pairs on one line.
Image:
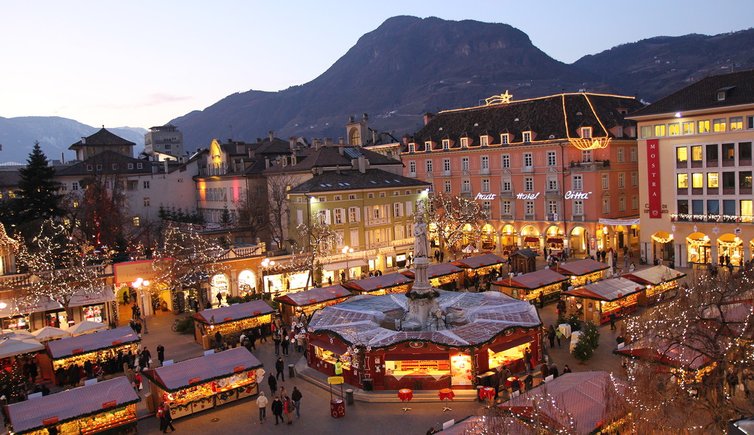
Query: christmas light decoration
[[451, 218], [586, 143]]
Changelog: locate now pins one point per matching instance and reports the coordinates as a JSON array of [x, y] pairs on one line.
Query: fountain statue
[[422, 298]]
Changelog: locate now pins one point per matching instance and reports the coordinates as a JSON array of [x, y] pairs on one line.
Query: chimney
[[341, 141], [83, 140], [266, 162], [341, 150], [350, 118], [365, 117], [293, 159], [428, 117], [362, 162], [62, 157], [328, 141], [271, 135]]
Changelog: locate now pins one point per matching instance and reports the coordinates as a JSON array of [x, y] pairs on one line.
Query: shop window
[[417, 368], [697, 206], [697, 180], [712, 180], [674, 129], [332, 357], [93, 313], [688, 127], [682, 206], [719, 125], [729, 207]]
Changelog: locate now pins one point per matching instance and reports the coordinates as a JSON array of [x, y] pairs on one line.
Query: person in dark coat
[[566, 369], [218, 339], [554, 371], [551, 336], [166, 418], [277, 409], [296, 398], [279, 368], [285, 342], [273, 384], [161, 353]]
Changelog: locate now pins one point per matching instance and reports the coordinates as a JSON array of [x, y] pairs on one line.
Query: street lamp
[[265, 264], [140, 286], [347, 250]]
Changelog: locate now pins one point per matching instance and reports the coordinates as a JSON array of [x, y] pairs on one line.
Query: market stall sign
[[77, 351], [194, 380], [110, 404], [335, 380], [117, 342], [227, 319], [50, 420], [238, 369], [256, 313]]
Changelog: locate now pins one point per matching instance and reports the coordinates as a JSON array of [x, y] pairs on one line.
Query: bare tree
[[450, 217], [702, 345], [318, 239], [277, 206]]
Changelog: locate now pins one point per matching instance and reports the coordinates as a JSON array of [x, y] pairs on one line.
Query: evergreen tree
[[37, 198]]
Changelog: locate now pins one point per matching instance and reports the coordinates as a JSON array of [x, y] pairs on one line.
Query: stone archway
[[577, 241], [730, 248], [699, 248], [530, 237]]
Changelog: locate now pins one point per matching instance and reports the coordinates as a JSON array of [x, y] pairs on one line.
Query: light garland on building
[[586, 143], [685, 217]]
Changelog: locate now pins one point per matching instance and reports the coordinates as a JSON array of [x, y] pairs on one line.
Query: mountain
[[409, 65], [54, 134]]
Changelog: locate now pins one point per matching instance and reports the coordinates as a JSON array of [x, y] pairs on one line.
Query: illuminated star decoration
[[499, 99]]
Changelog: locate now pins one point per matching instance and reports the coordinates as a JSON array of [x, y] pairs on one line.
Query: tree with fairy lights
[[317, 239], [60, 266], [451, 217], [695, 370], [186, 259]]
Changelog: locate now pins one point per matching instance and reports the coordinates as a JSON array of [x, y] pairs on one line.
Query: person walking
[[262, 405], [273, 384], [276, 340], [287, 409], [279, 366], [527, 360], [612, 321], [160, 353], [285, 343], [566, 369], [166, 418], [551, 336], [277, 410], [296, 397], [558, 336]]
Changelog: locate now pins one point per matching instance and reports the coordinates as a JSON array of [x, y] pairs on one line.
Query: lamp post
[[146, 308], [347, 250], [265, 264]]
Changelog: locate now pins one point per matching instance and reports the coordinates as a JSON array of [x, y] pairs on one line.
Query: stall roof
[[654, 275], [377, 282], [71, 404], [582, 396], [233, 312], [203, 369], [606, 289], [436, 270], [533, 280], [91, 342], [314, 296], [665, 352], [580, 267], [479, 261], [481, 318], [13, 346]]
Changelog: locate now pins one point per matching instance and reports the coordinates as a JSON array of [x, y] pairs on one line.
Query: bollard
[[349, 396], [291, 371]]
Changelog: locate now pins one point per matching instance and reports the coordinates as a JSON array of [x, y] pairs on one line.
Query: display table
[[405, 394], [565, 329], [108, 406], [446, 394], [202, 383], [574, 340]]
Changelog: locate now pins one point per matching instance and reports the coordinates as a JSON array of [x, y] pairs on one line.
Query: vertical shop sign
[[653, 174]]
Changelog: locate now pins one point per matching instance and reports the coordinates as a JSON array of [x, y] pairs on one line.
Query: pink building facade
[[558, 172]]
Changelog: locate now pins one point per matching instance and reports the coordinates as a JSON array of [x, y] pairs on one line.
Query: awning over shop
[[103, 295], [556, 240], [13, 346], [234, 312], [203, 369], [314, 296], [607, 289], [91, 342], [71, 404], [342, 265], [530, 239]]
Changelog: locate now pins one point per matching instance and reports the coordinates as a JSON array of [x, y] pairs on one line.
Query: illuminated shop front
[[508, 237], [219, 285], [598, 301], [105, 407], [286, 282], [698, 248], [546, 284], [554, 239], [206, 382], [661, 282], [363, 336], [662, 245], [582, 271], [730, 248], [247, 282], [380, 285], [577, 242], [480, 265], [230, 321], [488, 238], [530, 238]]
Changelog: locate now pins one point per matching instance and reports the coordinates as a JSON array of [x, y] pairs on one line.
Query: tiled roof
[[354, 180], [70, 404], [91, 342], [233, 312], [203, 369], [314, 296], [102, 137], [532, 280], [106, 159], [543, 116], [328, 156], [654, 275], [738, 88]]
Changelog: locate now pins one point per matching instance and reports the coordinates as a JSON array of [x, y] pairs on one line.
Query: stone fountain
[[424, 311]]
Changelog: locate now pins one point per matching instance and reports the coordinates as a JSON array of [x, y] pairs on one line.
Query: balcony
[[446, 173], [590, 166], [553, 217], [577, 218], [553, 194], [412, 174], [484, 171], [506, 194], [466, 194], [403, 242], [527, 169], [378, 221], [530, 217]]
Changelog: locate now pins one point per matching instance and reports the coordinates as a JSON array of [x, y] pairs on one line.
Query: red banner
[[653, 175]]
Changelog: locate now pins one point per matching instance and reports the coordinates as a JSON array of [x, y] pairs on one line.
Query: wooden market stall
[[231, 321], [101, 347], [661, 282], [107, 406], [206, 382], [446, 276], [582, 271], [544, 283], [294, 304], [523, 261], [480, 265], [380, 285], [597, 301], [679, 359]]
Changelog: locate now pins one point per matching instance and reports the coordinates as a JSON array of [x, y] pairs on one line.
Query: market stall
[[681, 360], [582, 271], [480, 331], [100, 347], [206, 382], [446, 276], [380, 285], [107, 406], [480, 265], [598, 301], [545, 284], [294, 304], [231, 321], [661, 282]]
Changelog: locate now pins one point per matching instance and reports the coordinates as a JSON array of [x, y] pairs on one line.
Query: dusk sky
[[142, 63]]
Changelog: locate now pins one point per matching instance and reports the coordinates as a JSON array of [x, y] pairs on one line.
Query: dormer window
[[89, 168], [446, 144], [505, 138], [428, 145], [527, 136], [411, 147], [484, 140], [464, 142], [99, 167], [586, 132], [720, 95]]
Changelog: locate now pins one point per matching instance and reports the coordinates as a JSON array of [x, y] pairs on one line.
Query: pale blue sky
[[141, 63]]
